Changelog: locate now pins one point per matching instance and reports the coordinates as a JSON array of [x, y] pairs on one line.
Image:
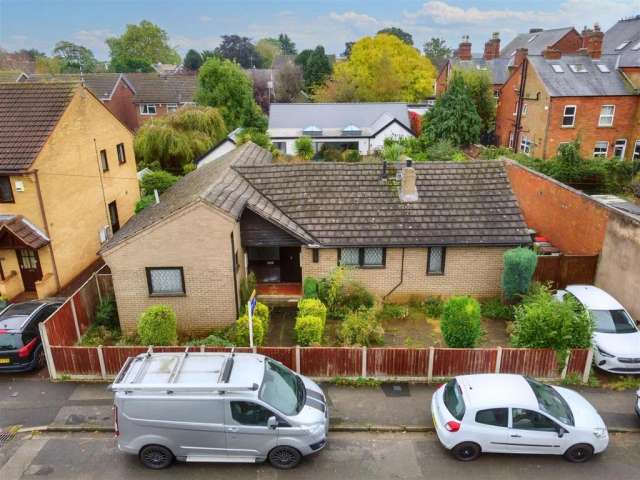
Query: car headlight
[[599, 432], [604, 354]]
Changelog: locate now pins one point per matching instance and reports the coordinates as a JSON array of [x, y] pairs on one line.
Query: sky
[[199, 24]]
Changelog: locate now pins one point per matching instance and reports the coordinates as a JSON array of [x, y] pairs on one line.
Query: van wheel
[[284, 457], [156, 457], [466, 451], [579, 453]]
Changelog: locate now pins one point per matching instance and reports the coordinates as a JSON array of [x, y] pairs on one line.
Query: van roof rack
[[182, 387]]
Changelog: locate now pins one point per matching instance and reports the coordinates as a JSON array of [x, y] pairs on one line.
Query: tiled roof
[[10, 75], [626, 34], [100, 84], [534, 42], [336, 204], [497, 67], [23, 230], [154, 88], [28, 114]]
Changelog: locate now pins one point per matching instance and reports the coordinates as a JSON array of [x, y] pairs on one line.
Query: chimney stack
[[384, 170], [492, 47], [408, 189], [464, 49], [520, 55], [535, 30], [551, 53], [592, 41]]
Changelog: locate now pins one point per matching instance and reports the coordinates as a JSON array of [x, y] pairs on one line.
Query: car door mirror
[[272, 423], [561, 432]]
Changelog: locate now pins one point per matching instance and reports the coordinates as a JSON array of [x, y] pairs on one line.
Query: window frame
[[624, 148], [148, 271], [573, 117], [484, 424], [361, 263], [525, 108], [613, 114], [172, 107], [12, 198], [512, 410], [526, 143], [315, 255], [104, 160], [606, 152], [122, 155], [444, 261], [636, 150], [252, 425], [144, 109]]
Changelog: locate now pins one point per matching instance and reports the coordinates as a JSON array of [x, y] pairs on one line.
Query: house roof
[[10, 75], [28, 114], [22, 229], [497, 67], [535, 42], [592, 82], [154, 88], [102, 85], [626, 34], [336, 204], [281, 60]]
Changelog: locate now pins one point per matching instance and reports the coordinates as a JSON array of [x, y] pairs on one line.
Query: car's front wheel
[[579, 453], [156, 457], [466, 451], [284, 457]]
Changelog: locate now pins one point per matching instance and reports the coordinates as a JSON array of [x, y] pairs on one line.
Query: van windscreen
[[282, 389]]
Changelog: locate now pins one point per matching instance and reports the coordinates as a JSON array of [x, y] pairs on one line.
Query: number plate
[[5, 360]]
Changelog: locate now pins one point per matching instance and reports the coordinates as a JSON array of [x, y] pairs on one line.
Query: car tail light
[[25, 351], [2, 332], [452, 426], [115, 420]]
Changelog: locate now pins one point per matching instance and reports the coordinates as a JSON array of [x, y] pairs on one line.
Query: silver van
[[217, 407]]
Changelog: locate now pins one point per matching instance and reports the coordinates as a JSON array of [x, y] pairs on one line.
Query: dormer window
[[312, 131], [578, 68], [351, 131], [622, 45], [557, 68]]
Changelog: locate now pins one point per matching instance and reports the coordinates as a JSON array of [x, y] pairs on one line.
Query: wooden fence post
[[103, 368], [565, 367], [46, 346], [297, 358], [75, 316], [430, 365], [498, 359], [364, 362], [95, 277], [587, 367], [201, 348]]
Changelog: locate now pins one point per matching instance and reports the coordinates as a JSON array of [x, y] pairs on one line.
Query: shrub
[[313, 307], [635, 185], [309, 329], [443, 151], [330, 153], [460, 324], [304, 147], [242, 331], [433, 307], [263, 312], [351, 156], [107, 313], [541, 321], [144, 202], [247, 286], [361, 328], [519, 265], [494, 308], [159, 180], [354, 296], [212, 340], [310, 287], [100, 335], [157, 326], [330, 288], [391, 311]]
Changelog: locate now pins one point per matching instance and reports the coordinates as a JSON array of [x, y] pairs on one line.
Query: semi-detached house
[[435, 228]]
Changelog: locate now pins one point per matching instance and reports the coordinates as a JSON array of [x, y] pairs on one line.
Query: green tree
[[52, 65], [287, 46], [268, 49], [453, 117], [437, 51], [461, 327], [74, 58], [519, 266], [480, 86], [139, 47], [398, 32], [223, 85], [239, 50], [289, 82], [304, 147], [192, 60], [347, 49], [158, 180], [207, 54], [316, 66]]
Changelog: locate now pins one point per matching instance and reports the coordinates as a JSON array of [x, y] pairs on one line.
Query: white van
[[217, 407]]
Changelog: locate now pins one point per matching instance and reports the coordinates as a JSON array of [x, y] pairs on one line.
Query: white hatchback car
[[505, 413], [616, 337]]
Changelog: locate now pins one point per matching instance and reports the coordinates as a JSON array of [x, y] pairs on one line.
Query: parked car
[[20, 344], [217, 407], [616, 336], [505, 413]]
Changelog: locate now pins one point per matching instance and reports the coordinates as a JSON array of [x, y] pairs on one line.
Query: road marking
[[20, 461]]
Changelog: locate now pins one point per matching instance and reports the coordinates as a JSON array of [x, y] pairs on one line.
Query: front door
[[290, 265], [533, 432], [30, 270], [248, 435]]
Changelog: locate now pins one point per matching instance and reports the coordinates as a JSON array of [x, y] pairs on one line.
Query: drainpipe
[[518, 125], [104, 195], [401, 278], [233, 269], [46, 230]]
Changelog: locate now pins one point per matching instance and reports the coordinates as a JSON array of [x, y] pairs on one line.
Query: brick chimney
[[464, 49], [592, 40], [408, 189], [492, 47], [551, 53], [520, 55]]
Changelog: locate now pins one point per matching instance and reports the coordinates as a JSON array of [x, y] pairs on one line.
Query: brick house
[[442, 229], [67, 180], [113, 89]]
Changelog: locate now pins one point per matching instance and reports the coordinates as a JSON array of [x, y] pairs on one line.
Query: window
[[6, 193], [636, 47], [619, 148], [551, 402], [113, 217], [510, 139], [606, 116], [369, 257], [497, 417], [171, 107], [601, 149], [578, 68], [315, 254], [530, 420], [603, 68], [122, 157], [622, 45], [612, 321], [569, 116], [248, 413], [524, 109], [165, 281], [526, 145], [557, 68], [636, 150], [104, 162], [453, 400], [281, 388], [282, 146], [435, 260], [148, 109], [532, 38]]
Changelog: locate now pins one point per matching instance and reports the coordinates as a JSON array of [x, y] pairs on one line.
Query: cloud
[[205, 18], [355, 19], [93, 38]]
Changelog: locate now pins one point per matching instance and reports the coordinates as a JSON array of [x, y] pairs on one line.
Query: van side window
[[247, 413], [498, 417]]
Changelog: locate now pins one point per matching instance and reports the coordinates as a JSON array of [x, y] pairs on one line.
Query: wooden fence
[[563, 270]]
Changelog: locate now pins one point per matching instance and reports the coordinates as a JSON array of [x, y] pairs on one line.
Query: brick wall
[[505, 119], [443, 78], [122, 106], [570, 43], [468, 270]]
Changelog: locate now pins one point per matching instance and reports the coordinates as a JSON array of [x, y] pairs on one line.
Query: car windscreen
[[551, 402], [10, 341], [452, 398], [613, 321], [282, 389]]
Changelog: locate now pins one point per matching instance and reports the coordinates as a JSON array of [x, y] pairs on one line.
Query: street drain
[[7, 435], [396, 389]]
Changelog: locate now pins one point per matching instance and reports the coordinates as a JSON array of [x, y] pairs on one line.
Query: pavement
[[370, 456], [30, 400]]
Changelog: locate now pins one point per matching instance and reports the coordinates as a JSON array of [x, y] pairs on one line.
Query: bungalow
[[357, 126], [434, 228]]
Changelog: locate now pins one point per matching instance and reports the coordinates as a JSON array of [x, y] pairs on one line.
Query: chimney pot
[[384, 170], [409, 162], [408, 189], [464, 49]]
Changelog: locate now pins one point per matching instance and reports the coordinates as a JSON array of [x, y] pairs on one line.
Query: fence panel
[[565, 270], [60, 326], [114, 357], [105, 282], [76, 360], [577, 361], [285, 355], [397, 362], [448, 362], [536, 362], [331, 362]]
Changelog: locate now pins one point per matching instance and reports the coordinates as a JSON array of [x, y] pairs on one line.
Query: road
[[348, 455]]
